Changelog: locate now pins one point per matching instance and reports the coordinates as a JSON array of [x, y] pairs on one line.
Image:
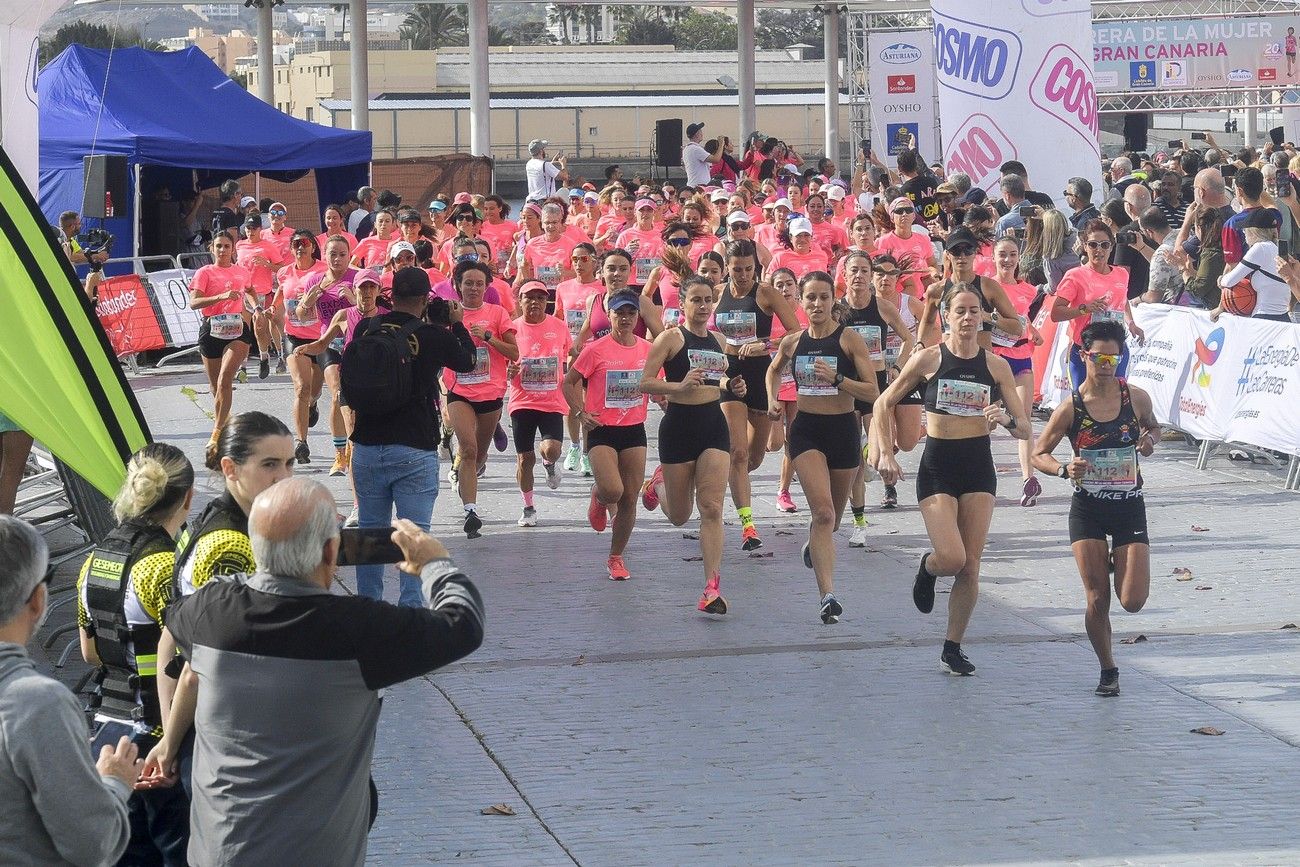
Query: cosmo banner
[[1015, 82], [1212, 53], [1234, 380], [899, 65]]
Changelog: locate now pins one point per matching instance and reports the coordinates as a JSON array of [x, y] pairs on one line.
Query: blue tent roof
[[175, 108]]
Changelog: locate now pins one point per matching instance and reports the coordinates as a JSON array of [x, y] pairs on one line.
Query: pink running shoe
[[784, 503], [712, 602], [650, 492], [597, 514], [617, 569]]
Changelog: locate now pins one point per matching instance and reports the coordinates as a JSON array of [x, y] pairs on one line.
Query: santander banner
[[1015, 82]]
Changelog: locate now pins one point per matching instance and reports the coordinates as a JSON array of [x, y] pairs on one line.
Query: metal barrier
[[1210, 448]]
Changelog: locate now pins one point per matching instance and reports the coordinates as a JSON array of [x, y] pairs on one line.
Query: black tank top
[[741, 320], [868, 322], [696, 351], [827, 348], [961, 386], [1111, 446]]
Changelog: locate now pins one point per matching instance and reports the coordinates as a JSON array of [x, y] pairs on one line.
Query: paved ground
[[623, 727]]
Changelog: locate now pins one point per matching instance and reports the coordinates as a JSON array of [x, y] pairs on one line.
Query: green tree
[[642, 25], [781, 28], [500, 36], [705, 31], [429, 27], [93, 36]]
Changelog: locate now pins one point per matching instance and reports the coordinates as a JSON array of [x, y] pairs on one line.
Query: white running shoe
[[552, 475], [528, 518], [858, 539]]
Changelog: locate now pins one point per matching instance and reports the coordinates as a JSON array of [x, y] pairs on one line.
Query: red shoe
[[712, 602], [749, 540], [649, 492], [597, 514], [617, 569]]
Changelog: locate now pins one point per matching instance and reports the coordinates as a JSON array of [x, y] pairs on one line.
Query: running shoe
[[482, 470], [711, 602], [302, 453], [955, 662], [313, 414], [280, 365], [1108, 686], [858, 538], [806, 551], [617, 568], [340, 465], [749, 538], [473, 523], [891, 497], [784, 502], [499, 438], [586, 466], [650, 496], [923, 588], [354, 519], [263, 367], [528, 518], [571, 459], [242, 376], [831, 609], [1030, 492], [597, 514], [552, 475]]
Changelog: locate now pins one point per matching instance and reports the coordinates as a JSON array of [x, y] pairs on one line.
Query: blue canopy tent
[[173, 113]]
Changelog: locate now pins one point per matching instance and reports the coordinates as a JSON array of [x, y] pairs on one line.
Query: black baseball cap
[[961, 237], [411, 283], [693, 129]]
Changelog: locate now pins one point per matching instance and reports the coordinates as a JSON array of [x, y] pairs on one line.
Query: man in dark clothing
[[1137, 198], [1034, 197], [289, 676], [228, 217], [1078, 195], [395, 455], [918, 185]]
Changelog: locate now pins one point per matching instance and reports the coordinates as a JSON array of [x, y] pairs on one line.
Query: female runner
[[784, 281], [302, 325], [223, 294], [956, 483], [832, 368], [603, 390], [744, 316], [335, 292], [694, 442], [958, 267], [1019, 353], [336, 225]]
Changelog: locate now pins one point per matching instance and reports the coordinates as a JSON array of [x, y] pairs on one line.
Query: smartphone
[[1284, 248], [1228, 170], [1126, 238], [1026, 209], [1198, 136], [866, 147], [1283, 183], [367, 547], [1175, 143]]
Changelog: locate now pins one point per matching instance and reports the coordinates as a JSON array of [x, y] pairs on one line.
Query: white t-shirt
[[696, 160], [355, 218], [1272, 295], [541, 178]]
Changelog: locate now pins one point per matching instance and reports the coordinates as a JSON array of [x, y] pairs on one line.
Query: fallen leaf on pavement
[[1196, 529], [506, 809], [1182, 573], [785, 532], [763, 554], [690, 535], [1204, 587], [1290, 626], [1207, 730], [580, 660], [1136, 639], [692, 559], [890, 532]]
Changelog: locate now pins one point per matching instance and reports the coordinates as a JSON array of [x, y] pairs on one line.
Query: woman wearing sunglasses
[[968, 391], [302, 327], [1109, 423], [960, 250], [666, 279], [1096, 290], [740, 227], [467, 223], [904, 240]]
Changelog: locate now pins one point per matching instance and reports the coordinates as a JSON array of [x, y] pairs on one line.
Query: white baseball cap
[[800, 226]]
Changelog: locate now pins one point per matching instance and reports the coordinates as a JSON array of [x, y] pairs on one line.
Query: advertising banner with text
[[901, 80], [1208, 53], [1015, 83]]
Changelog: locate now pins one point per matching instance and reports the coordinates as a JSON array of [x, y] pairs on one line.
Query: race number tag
[[1111, 315], [871, 334], [1002, 338], [1110, 469], [714, 364], [672, 317], [738, 326], [623, 389], [291, 305], [539, 374], [806, 377], [787, 374], [549, 274], [482, 371], [644, 265], [226, 326], [958, 397], [337, 345], [574, 319], [893, 349]]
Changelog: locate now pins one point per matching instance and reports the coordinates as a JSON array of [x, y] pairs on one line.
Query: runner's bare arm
[[1147, 420], [1050, 437], [784, 351]]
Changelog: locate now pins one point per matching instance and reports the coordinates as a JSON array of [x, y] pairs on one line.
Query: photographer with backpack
[[390, 381]]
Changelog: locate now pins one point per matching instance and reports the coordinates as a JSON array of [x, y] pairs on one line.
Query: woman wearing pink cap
[[904, 240], [643, 242], [622, 217]]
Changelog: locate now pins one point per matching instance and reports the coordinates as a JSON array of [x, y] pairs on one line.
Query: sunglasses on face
[[1108, 358], [1099, 245], [961, 252], [581, 258], [679, 242], [467, 257], [278, 213], [898, 211], [300, 244], [739, 227]]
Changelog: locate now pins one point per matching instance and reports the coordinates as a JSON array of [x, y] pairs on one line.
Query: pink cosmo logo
[[1063, 88], [979, 148]]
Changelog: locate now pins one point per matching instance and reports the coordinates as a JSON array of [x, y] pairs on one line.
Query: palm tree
[[591, 15], [563, 14], [428, 26]]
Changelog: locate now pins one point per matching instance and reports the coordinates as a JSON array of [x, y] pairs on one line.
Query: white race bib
[[672, 317], [482, 371], [291, 306], [805, 375], [1002, 338], [622, 389], [539, 374], [738, 326], [871, 334], [958, 397], [574, 319], [1110, 469], [714, 364], [226, 326], [893, 348]]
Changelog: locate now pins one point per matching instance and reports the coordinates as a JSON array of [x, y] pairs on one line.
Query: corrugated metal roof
[[629, 100]]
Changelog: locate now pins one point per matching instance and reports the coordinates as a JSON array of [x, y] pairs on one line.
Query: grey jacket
[[58, 809]]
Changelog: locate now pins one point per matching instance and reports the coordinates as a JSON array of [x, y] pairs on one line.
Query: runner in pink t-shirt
[[803, 256], [1019, 351], [279, 232], [537, 403], [474, 399], [372, 252], [643, 241], [335, 225], [223, 294], [785, 282]]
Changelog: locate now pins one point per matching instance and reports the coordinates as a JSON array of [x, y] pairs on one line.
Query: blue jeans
[[1078, 370], [388, 476]]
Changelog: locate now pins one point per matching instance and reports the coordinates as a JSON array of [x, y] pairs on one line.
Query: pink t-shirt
[[700, 246], [214, 280], [984, 264], [332, 300], [500, 238], [789, 389], [281, 240], [768, 236], [263, 275], [487, 381], [1021, 294], [293, 282], [917, 246], [1083, 285], [830, 235], [543, 351], [549, 258], [613, 374], [649, 249], [607, 223], [571, 298], [372, 252], [325, 236], [800, 263]]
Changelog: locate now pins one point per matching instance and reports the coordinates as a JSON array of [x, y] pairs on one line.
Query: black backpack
[[378, 374]]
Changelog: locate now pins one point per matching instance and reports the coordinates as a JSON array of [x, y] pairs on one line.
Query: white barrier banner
[[1022, 89], [171, 295], [901, 81], [1235, 380]]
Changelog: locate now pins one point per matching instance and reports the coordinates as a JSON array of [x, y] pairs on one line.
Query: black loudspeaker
[[1135, 131], [1276, 134], [668, 143], [105, 175]]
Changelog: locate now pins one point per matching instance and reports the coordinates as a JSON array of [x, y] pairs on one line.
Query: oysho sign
[[975, 58]]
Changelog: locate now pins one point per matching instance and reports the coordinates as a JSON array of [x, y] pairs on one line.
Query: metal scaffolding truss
[[902, 15]]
